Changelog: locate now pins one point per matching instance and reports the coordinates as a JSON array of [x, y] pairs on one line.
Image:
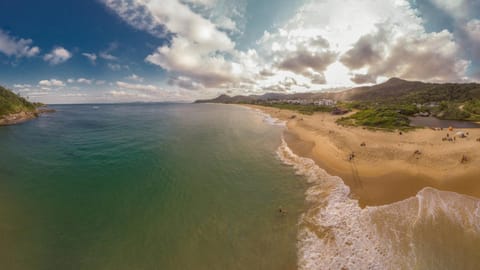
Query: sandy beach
[[387, 166]]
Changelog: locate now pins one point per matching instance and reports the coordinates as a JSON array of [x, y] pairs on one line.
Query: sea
[[203, 186]]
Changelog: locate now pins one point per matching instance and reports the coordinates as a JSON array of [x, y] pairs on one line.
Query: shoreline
[[390, 167], [21, 117]]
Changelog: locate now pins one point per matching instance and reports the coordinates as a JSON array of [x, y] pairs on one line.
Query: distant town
[[317, 102]]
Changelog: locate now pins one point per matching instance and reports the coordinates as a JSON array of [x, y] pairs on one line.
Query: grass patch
[[379, 118], [12, 103], [307, 109]]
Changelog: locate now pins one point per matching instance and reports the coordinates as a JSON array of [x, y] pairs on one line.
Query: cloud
[[120, 93], [458, 9], [363, 78], [136, 14], [91, 57], [325, 42], [138, 87], [196, 42], [117, 67], [461, 17], [128, 95], [51, 83], [18, 47], [368, 50], [108, 56], [190, 60], [423, 56], [80, 80], [83, 80], [285, 85], [472, 28], [185, 83], [266, 73], [308, 63], [57, 56], [22, 85], [135, 77], [207, 3]]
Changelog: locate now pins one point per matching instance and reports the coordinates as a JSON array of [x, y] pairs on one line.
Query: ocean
[[147, 186], [199, 186]]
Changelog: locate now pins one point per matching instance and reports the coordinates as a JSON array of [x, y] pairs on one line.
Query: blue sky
[[169, 50]]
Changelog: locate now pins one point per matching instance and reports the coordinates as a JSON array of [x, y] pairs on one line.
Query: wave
[[267, 118], [433, 230]]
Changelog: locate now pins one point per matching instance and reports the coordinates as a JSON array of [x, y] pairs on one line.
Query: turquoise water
[[147, 186]]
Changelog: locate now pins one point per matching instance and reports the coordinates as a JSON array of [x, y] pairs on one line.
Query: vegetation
[[387, 105], [472, 107], [308, 109], [383, 118], [450, 111], [13, 103]]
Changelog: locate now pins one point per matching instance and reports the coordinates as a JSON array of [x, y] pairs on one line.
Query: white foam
[[267, 118], [335, 233]]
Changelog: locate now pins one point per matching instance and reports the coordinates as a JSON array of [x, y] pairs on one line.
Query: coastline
[[21, 117], [387, 169]]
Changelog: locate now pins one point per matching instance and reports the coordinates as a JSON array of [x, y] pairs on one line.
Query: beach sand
[[386, 169]]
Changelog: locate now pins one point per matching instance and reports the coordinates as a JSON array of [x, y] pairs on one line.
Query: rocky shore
[[16, 118]]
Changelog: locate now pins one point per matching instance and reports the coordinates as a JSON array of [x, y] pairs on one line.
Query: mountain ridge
[[392, 90]]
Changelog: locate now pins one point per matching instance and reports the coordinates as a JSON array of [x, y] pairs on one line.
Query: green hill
[[11, 103], [397, 90], [387, 105]]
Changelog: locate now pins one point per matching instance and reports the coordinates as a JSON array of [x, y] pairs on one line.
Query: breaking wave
[[433, 230]]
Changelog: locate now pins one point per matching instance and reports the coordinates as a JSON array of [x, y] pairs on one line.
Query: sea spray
[[433, 230]]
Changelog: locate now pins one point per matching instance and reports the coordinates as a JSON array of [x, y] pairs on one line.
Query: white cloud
[[80, 80], [458, 9], [135, 77], [432, 57], [207, 3], [57, 56], [73, 95], [309, 57], [473, 30], [22, 85], [120, 93], [185, 83], [51, 83], [114, 67], [108, 56], [138, 87], [13, 46], [117, 67], [326, 42], [91, 57], [186, 58], [128, 95], [83, 80], [372, 38], [197, 41]]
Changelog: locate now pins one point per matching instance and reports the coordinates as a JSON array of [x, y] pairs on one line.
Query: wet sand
[[386, 169]]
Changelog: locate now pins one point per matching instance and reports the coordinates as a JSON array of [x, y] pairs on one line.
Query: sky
[[95, 51]]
